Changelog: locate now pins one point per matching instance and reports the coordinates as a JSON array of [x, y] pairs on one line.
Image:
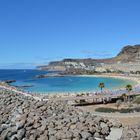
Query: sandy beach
[[135, 79]]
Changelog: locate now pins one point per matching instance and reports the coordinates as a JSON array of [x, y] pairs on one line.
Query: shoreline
[[134, 80], [50, 95]]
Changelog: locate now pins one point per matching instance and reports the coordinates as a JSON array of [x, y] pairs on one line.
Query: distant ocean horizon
[[25, 79]]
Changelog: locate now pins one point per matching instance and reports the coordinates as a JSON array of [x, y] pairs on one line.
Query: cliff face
[[129, 54]]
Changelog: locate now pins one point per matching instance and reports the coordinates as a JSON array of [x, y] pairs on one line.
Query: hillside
[[129, 55]]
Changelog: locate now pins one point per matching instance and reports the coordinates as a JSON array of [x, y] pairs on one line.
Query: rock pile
[[24, 118]]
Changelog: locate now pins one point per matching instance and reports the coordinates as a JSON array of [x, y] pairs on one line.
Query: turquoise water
[[60, 84]]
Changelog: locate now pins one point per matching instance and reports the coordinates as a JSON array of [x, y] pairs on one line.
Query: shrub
[[106, 110], [112, 110], [127, 110]]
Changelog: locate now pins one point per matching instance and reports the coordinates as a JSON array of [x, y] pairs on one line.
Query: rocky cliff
[[129, 54]]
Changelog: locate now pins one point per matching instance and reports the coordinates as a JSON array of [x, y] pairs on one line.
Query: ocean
[[25, 79]]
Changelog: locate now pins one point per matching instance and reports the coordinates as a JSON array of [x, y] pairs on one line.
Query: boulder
[[85, 135]]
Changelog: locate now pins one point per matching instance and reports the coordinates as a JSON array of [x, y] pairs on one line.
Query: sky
[[35, 32]]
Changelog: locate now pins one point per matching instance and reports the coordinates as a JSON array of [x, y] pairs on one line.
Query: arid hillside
[[128, 59]]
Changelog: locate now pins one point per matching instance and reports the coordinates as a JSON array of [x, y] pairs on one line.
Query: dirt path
[[125, 118]]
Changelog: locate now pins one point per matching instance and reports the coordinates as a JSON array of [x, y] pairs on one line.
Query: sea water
[[60, 84]]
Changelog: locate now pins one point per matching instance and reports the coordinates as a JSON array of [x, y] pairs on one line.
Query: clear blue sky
[[34, 32]]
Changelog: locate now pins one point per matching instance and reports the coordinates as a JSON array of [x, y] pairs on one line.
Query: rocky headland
[[48, 75]]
